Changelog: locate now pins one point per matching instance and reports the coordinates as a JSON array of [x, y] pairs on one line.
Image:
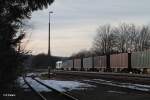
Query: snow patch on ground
[[37, 86], [64, 86], [21, 83], [118, 92], [140, 87]]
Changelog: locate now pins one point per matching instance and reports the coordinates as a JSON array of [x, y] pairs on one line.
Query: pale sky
[[74, 23]]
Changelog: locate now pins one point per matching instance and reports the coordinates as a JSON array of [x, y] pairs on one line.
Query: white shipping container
[[87, 62], [77, 63], [58, 64]]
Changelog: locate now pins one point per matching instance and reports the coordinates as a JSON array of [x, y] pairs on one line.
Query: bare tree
[[124, 38], [105, 40], [143, 39]]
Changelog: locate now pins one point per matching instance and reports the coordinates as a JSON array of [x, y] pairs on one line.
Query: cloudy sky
[[74, 23]]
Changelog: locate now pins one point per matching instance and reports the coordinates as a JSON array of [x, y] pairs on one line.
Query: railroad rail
[[38, 93], [133, 78], [121, 85], [67, 96], [126, 85], [84, 73]]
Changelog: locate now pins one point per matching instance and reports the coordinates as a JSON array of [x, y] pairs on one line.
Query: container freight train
[[124, 62]]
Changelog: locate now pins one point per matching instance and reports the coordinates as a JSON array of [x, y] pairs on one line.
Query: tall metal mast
[[49, 37]]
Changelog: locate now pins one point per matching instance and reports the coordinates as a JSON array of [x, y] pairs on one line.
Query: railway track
[[126, 85], [133, 78], [134, 87], [53, 95], [84, 73]]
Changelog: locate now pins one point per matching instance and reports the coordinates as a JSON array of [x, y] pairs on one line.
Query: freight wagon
[[136, 61], [77, 64], [87, 63], [100, 63], [59, 65], [67, 64], [119, 62], [141, 61]]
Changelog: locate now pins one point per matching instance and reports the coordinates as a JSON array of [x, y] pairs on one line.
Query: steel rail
[[83, 73], [67, 95], [38, 93], [99, 83]]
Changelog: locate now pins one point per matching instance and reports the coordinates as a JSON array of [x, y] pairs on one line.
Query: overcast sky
[[74, 22]]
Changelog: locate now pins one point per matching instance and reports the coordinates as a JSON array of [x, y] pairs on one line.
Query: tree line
[[123, 38], [44, 61]]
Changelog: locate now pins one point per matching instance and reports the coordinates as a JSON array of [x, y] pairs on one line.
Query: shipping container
[[87, 63], [67, 64], [119, 61], [100, 62], [59, 65], [97, 62], [77, 64], [140, 59]]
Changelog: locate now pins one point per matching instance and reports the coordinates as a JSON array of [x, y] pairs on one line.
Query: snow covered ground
[[140, 87], [64, 86], [22, 83], [37, 86], [33, 83]]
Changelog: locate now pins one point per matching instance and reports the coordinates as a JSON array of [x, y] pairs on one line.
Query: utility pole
[[49, 36]]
